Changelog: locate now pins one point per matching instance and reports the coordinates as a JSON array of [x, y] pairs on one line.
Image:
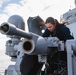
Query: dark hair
[[56, 22], [50, 20]]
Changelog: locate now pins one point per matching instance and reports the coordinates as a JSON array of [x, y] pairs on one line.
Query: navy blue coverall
[[62, 33]]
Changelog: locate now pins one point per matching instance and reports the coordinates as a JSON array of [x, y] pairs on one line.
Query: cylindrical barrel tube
[[9, 29], [35, 48], [28, 46]]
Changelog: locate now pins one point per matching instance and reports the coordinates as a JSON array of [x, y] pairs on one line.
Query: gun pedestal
[[29, 51]]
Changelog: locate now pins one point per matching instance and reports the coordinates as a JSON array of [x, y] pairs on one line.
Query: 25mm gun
[[32, 51]]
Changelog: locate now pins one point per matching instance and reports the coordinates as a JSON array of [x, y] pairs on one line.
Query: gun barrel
[[40, 46], [28, 46], [9, 29]]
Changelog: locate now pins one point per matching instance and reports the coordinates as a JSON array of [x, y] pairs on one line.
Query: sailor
[[55, 29]]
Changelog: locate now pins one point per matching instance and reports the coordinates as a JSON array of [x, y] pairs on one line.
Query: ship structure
[[69, 16]]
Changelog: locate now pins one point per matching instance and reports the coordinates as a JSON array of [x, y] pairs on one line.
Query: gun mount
[[33, 44], [32, 51]]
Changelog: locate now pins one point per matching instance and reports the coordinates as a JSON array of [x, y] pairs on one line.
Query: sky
[[29, 8]]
